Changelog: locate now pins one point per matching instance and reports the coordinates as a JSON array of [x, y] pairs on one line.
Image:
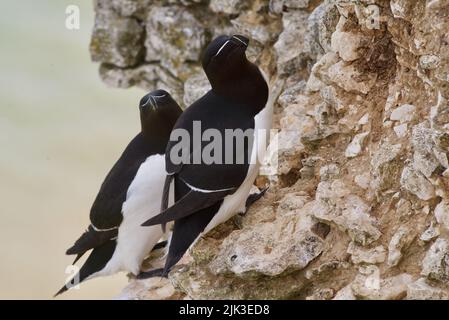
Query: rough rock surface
[[358, 208]]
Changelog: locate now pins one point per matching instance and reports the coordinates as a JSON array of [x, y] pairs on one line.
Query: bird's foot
[[160, 245], [253, 198], [152, 274]]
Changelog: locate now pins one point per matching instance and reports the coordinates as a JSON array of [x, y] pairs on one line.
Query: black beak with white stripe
[[131, 191], [204, 192]]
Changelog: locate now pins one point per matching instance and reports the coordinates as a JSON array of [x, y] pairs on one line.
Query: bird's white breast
[[143, 201]]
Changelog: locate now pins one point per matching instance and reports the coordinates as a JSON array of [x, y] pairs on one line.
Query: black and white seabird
[[209, 194], [131, 192]]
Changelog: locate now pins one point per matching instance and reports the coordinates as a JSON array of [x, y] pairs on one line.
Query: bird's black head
[[232, 75], [158, 111], [224, 58]]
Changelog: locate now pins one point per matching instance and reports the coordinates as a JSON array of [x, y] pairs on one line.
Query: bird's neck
[[156, 131], [248, 87]]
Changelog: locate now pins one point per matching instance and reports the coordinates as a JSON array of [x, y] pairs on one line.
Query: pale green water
[[61, 129]]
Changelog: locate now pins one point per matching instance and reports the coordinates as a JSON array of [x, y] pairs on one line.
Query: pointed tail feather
[[73, 282], [96, 261], [78, 256], [186, 231], [61, 291]]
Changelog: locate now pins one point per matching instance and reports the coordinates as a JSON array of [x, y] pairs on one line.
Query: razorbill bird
[[209, 194], [130, 193]]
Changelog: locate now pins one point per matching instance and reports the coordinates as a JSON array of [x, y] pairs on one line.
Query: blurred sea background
[[61, 130]]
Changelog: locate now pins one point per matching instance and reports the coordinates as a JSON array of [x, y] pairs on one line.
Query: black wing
[[187, 205], [91, 239]]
